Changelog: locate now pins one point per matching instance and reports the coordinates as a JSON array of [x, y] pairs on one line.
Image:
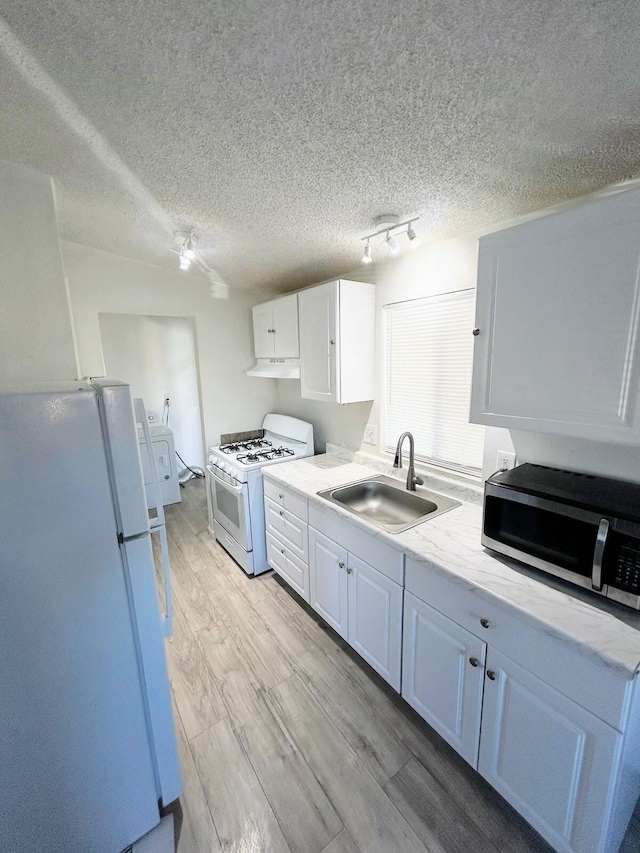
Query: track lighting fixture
[[391, 229]]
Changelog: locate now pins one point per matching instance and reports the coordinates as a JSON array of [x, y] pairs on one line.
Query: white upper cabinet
[[557, 317], [275, 328], [337, 342]]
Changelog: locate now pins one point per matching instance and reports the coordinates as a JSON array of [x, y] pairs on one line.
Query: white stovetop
[[450, 544]]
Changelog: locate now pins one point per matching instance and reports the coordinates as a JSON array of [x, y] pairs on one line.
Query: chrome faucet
[[412, 480]]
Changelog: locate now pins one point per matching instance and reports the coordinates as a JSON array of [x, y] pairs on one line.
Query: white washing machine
[[164, 453]]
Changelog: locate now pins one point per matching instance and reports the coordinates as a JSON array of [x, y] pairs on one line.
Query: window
[[428, 352]]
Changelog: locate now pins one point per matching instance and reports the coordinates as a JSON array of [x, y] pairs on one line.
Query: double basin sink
[[388, 504]]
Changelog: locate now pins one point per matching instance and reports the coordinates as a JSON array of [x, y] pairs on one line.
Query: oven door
[[230, 502]]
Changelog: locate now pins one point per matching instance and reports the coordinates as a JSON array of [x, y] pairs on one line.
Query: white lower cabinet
[[362, 604], [375, 619], [572, 776], [291, 569], [443, 675], [550, 758], [328, 581]]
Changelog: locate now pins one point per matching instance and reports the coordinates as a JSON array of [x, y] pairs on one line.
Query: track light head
[[392, 243], [414, 240], [367, 258], [185, 262]]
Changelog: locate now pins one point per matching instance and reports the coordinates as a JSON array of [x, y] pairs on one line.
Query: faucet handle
[[418, 481]]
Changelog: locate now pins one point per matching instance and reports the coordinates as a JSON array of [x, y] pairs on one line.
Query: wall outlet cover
[[370, 434], [505, 460]]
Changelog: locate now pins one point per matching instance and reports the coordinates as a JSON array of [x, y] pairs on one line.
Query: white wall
[[157, 357], [103, 283], [36, 338]]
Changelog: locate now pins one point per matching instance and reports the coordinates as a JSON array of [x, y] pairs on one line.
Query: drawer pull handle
[[485, 623], [341, 565], [280, 495], [491, 674], [281, 512], [473, 661]]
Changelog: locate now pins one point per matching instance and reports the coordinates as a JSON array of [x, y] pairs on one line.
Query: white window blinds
[[428, 352]]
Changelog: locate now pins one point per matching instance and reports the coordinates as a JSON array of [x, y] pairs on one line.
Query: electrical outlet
[[505, 460], [370, 434]]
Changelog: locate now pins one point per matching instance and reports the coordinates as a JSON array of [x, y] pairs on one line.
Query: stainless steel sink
[[387, 503]]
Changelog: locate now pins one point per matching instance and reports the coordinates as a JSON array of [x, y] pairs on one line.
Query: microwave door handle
[[601, 541]]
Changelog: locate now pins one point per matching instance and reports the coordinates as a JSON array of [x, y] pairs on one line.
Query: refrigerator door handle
[[167, 617], [157, 524], [141, 418]]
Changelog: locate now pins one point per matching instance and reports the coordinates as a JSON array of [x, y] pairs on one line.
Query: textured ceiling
[[279, 129]]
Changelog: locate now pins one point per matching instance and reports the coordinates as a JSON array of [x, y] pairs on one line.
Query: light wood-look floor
[[289, 742]]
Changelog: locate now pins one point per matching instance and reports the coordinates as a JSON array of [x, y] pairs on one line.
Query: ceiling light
[[390, 226], [187, 241], [394, 248]]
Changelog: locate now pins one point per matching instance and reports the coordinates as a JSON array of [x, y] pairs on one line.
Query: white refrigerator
[[88, 753]]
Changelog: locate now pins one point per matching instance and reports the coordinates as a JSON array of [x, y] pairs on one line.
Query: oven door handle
[[601, 541], [237, 490]]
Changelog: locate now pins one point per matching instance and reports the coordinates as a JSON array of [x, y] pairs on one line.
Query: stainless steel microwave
[[579, 527]]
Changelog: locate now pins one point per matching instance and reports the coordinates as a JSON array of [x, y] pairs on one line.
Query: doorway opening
[[157, 356]]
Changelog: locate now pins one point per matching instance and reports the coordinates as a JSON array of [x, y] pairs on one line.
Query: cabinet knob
[[281, 512], [473, 661], [476, 332], [349, 570], [341, 565], [280, 495], [485, 623], [282, 550], [491, 674], [332, 343]]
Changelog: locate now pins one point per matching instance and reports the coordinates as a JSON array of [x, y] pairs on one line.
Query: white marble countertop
[[450, 544]]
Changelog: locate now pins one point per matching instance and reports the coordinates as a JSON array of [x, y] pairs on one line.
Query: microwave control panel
[[626, 571]]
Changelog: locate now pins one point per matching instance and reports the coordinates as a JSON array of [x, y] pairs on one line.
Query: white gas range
[[234, 474]]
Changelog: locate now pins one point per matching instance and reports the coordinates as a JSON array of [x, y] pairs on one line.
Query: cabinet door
[[328, 581], [375, 619], [551, 759], [263, 337], [285, 324], [558, 314], [317, 307], [443, 674]]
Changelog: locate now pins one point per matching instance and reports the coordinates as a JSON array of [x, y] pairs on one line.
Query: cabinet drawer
[[288, 566], [287, 498], [288, 528], [367, 546], [595, 687]]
